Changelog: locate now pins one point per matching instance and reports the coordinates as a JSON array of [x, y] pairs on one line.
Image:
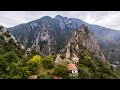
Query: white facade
[[75, 71]]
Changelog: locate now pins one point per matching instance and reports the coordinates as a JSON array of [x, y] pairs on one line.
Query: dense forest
[[20, 63], [15, 63]]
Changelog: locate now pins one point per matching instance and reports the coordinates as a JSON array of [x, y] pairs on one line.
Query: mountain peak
[[83, 26], [84, 29], [59, 17], [46, 17]]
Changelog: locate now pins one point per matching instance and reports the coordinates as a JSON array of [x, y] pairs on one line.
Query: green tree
[[2, 64], [35, 60], [61, 70], [10, 57], [48, 62], [34, 52], [84, 72], [34, 64]]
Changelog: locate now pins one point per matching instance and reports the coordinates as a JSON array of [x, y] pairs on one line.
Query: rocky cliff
[[82, 38], [9, 38]]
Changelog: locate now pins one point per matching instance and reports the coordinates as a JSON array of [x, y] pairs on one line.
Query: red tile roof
[[71, 66], [57, 77]]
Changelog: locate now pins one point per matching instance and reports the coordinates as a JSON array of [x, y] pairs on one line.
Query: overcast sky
[[109, 19]]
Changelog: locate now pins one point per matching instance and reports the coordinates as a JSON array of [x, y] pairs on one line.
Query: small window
[[75, 71]]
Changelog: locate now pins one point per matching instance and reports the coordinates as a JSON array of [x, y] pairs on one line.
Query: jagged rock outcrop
[[83, 37], [8, 37]]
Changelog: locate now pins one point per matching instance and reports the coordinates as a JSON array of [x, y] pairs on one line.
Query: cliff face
[[38, 33], [82, 38], [49, 35]]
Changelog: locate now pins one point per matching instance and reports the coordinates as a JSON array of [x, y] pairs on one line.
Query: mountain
[[84, 52], [14, 64], [47, 34], [82, 38], [50, 35]]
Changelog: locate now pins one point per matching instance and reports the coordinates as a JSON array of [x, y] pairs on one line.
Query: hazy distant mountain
[[50, 35]]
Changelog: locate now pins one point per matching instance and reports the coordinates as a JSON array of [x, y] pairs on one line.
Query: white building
[[73, 69]]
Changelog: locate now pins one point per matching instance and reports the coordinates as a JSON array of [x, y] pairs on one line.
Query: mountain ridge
[[62, 30], [64, 17], [82, 38]]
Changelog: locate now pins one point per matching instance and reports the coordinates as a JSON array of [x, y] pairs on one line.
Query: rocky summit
[[83, 37]]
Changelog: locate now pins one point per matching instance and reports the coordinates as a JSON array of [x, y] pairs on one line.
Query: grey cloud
[[108, 19]]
